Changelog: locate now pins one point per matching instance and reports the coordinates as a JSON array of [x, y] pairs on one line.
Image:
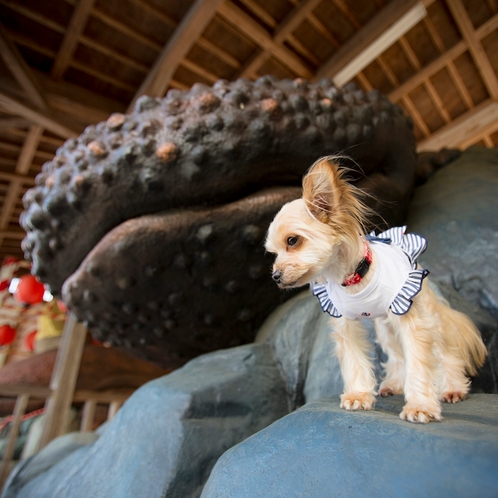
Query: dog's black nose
[[277, 274]]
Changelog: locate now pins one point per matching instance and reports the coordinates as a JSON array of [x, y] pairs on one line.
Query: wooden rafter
[[441, 61], [183, 39], [73, 31], [36, 116], [284, 31], [359, 51], [464, 128], [7, 123], [22, 167], [236, 17], [20, 70], [481, 60]]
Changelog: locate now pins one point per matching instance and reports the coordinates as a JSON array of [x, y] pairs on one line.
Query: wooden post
[[19, 410], [63, 381]]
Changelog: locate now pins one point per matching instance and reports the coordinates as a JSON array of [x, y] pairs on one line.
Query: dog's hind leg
[[353, 352], [394, 367], [463, 352]]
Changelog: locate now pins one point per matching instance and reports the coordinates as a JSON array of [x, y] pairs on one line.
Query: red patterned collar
[[361, 270]]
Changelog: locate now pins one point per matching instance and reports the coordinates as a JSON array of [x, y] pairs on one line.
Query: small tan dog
[[430, 347]]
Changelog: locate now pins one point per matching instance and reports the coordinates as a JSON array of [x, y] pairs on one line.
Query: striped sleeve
[[413, 285], [320, 291]]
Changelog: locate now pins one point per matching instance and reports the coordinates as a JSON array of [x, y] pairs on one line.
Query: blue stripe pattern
[[320, 291], [413, 285]]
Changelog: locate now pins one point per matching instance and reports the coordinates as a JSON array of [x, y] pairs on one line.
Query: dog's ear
[[322, 189]]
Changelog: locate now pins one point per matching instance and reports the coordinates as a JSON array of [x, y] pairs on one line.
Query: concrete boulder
[[166, 438], [322, 451]]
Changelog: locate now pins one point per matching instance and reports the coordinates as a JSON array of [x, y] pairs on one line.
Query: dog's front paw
[[420, 414], [453, 396], [357, 401]]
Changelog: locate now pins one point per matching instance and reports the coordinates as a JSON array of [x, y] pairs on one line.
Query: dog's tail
[[464, 337]]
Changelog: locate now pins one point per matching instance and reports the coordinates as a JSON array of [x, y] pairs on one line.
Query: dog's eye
[[293, 240]]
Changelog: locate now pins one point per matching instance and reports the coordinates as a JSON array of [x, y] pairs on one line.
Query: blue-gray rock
[[321, 451], [166, 438], [457, 212]]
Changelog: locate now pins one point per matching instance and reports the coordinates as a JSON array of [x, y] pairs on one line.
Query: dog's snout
[[277, 275]]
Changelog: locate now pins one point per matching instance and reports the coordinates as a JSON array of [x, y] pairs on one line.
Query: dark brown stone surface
[[194, 156]]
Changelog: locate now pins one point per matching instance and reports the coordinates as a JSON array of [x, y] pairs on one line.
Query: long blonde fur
[[430, 350]]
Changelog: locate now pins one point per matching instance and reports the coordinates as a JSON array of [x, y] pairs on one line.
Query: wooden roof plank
[[431, 90], [320, 27], [464, 128], [258, 35], [475, 47], [73, 31], [29, 149], [22, 167], [295, 17], [283, 33], [260, 12], [183, 39], [20, 70], [441, 61], [8, 123], [379, 33], [33, 15], [36, 116]]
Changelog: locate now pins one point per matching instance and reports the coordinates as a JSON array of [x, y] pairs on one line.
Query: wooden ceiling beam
[[484, 135], [178, 46], [33, 15], [440, 62], [22, 167], [12, 234], [476, 49], [260, 12], [36, 116], [283, 33], [20, 70], [464, 128], [11, 177], [429, 87], [376, 36], [9, 123], [73, 31], [242, 22], [29, 149], [294, 18]]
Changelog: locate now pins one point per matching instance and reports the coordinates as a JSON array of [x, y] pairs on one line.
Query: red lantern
[[7, 335], [30, 290], [29, 342]]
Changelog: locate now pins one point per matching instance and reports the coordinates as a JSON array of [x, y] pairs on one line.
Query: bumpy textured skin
[[210, 146]]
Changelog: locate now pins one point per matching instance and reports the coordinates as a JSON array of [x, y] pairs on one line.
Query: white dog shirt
[[395, 283]]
